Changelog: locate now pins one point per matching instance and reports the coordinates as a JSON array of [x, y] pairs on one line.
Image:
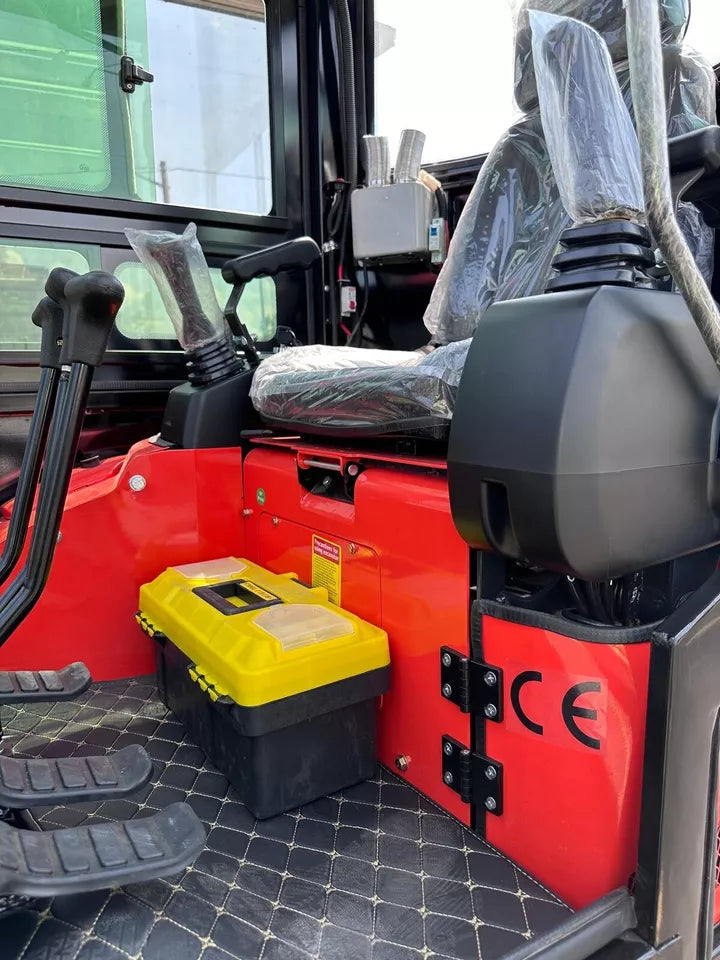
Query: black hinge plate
[[131, 74], [476, 687], [478, 779]]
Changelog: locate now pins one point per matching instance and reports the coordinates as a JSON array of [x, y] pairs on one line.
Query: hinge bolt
[[446, 690], [446, 660], [491, 711], [491, 803], [448, 777], [447, 749], [490, 678], [490, 773]]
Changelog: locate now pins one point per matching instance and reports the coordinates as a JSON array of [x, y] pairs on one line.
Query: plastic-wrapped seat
[[502, 248]]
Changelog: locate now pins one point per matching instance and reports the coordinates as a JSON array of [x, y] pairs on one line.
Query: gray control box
[[392, 220]]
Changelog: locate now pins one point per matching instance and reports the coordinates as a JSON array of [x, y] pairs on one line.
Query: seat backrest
[[508, 232]]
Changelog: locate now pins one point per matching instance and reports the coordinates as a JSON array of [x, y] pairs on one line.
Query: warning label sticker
[[326, 567]]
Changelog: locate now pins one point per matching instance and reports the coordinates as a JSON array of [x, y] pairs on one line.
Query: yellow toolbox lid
[[257, 636]]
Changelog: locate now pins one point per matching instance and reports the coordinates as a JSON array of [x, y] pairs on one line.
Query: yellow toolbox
[[276, 684]]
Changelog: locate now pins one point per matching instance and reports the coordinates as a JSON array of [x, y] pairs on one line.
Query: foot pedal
[[27, 686], [28, 783], [98, 856]]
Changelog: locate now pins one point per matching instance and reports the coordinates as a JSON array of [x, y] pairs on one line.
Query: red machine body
[[393, 556]]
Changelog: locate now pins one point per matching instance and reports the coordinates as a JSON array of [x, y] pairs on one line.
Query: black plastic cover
[[298, 254], [585, 433], [48, 316], [94, 300]]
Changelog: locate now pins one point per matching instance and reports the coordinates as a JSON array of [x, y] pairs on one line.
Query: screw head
[[446, 660], [275, 521], [490, 772], [446, 690], [247, 512], [491, 711], [59, 537], [447, 748], [402, 763], [491, 803], [353, 470], [490, 678], [448, 777], [137, 483], [352, 548]]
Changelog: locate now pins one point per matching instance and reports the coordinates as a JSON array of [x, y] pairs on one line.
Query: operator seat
[[502, 248]]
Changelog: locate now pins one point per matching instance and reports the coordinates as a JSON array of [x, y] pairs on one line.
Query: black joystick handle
[[56, 283], [93, 301], [48, 316]]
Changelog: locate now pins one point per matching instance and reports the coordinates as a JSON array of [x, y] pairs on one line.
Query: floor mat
[[376, 871]]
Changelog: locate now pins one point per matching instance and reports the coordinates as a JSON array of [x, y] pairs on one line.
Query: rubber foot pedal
[[28, 783], [98, 856], [43, 686]]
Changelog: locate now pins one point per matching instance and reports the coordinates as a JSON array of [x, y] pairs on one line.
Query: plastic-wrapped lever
[[91, 301]]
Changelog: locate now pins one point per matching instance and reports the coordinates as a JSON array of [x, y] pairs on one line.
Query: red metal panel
[[113, 540], [409, 574], [571, 809]]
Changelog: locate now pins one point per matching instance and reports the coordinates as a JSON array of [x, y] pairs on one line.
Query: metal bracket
[[472, 685], [131, 75], [478, 779]]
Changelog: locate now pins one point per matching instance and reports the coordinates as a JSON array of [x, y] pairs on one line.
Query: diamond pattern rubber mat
[[376, 872]]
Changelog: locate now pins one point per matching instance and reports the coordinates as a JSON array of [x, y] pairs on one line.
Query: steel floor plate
[[376, 871]]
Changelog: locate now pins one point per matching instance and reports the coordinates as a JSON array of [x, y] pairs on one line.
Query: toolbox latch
[[478, 779], [474, 686]]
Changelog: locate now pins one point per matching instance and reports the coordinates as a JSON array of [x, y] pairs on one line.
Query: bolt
[[402, 763], [352, 548], [247, 512], [446, 690], [491, 803], [353, 470], [276, 521], [448, 777], [490, 678], [490, 772], [447, 748], [446, 660], [491, 711], [137, 483], [59, 537]]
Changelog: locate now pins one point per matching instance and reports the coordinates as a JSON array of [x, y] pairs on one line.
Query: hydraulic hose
[[648, 94], [343, 27]]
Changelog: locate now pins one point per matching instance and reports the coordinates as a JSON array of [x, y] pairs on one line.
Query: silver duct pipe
[[377, 160], [407, 165], [648, 93]]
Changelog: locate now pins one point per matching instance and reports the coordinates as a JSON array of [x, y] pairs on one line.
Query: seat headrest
[[606, 16]]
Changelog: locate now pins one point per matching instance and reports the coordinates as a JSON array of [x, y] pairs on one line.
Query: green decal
[[260, 496]]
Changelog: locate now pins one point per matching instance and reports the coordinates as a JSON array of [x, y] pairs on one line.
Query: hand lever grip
[[298, 254], [56, 282], [94, 300], [48, 315]]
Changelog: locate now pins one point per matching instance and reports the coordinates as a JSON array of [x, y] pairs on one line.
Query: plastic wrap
[[590, 137], [177, 265], [370, 391], [506, 236]]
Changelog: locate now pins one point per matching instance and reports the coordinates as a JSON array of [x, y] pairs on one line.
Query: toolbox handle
[[320, 464]]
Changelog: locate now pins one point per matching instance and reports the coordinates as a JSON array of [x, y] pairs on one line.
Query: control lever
[[48, 315], [91, 303]]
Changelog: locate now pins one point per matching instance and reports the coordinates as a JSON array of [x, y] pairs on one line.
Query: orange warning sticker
[[326, 567]]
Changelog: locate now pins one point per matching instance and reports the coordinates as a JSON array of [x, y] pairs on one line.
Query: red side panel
[[572, 783], [403, 566], [114, 540]]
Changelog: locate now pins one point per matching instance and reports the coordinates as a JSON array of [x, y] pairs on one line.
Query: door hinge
[[478, 779], [475, 687], [131, 74]]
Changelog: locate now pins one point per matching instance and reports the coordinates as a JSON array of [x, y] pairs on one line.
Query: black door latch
[[131, 75]]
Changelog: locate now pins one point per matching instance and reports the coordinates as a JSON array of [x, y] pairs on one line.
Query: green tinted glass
[[143, 316], [24, 268], [53, 116]]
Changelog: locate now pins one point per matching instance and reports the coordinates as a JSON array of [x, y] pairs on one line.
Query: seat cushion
[[341, 391]]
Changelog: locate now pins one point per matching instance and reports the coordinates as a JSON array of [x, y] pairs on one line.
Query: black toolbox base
[[376, 872]]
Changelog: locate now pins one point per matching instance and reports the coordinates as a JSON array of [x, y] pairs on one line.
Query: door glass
[[53, 114], [143, 316], [198, 135], [24, 268]]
